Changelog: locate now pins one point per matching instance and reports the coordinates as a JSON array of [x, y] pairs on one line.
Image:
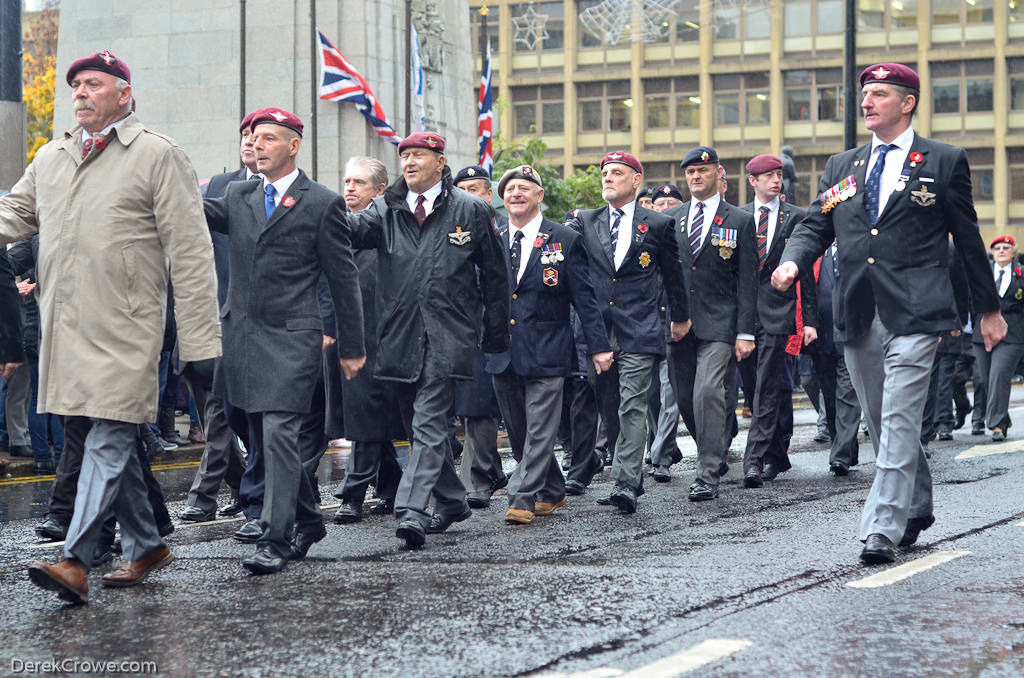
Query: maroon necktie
[[762, 235], [420, 212], [95, 143]]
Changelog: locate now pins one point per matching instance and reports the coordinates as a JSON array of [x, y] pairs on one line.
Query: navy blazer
[[901, 264], [721, 280], [540, 326], [272, 323], [776, 311], [629, 295]]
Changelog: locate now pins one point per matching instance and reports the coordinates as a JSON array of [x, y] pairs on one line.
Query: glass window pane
[[981, 184], [870, 14], [619, 115], [553, 122], [618, 87], [830, 16], [798, 18], [726, 21], [727, 109], [1017, 183], [947, 97], [904, 14], [790, 78], [657, 85], [828, 103], [757, 107], [979, 12], [756, 80], [657, 112], [590, 116], [688, 111], [945, 12], [525, 116], [1017, 94], [687, 20], [798, 104], [757, 21], [979, 95]]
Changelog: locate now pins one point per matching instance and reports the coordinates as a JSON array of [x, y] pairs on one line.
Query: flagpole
[[241, 67], [314, 80], [408, 67]]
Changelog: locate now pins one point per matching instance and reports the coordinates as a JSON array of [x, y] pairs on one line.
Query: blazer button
[[874, 231], [611, 303], [615, 280], [662, 309], [693, 268], [871, 260], [512, 322], [515, 296]]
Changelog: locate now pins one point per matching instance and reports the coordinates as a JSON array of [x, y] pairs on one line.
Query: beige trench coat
[[109, 227]]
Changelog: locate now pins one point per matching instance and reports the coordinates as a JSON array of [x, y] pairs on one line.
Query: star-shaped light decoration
[[530, 27]]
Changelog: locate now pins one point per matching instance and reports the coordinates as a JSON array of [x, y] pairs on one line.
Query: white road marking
[[695, 657], [991, 448], [1020, 524], [901, 572]]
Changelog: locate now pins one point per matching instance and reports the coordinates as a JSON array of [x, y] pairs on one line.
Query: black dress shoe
[[383, 507], [52, 529], [998, 434], [838, 468], [661, 474], [44, 468], [232, 509], [499, 483], [977, 430], [250, 532], [624, 498], [771, 472], [303, 540], [194, 514], [21, 451], [412, 533], [102, 555], [915, 526], [701, 491], [822, 437], [605, 501], [752, 478], [478, 500], [266, 560], [723, 470], [349, 512], [574, 488], [945, 435], [878, 549], [440, 523]]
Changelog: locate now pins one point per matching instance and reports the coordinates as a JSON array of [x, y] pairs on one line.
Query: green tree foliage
[[581, 189]]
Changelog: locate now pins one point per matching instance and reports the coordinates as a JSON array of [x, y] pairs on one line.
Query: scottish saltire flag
[[485, 119], [417, 81], [340, 81]]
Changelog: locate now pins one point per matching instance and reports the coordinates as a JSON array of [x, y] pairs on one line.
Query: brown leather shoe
[[520, 516], [68, 578], [196, 436], [546, 508], [134, 572]]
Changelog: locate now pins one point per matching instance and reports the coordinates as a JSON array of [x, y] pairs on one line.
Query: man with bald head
[[118, 211]]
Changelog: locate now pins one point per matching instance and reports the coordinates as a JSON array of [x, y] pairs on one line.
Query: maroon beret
[[277, 116], [1008, 239], [430, 140], [891, 74], [247, 120], [766, 162], [627, 159], [101, 61]]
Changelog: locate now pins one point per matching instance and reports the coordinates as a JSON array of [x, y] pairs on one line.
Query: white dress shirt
[[710, 209], [625, 231], [773, 217], [530, 231], [1007, 276], [430, 196], [894, 161], [282, 185]]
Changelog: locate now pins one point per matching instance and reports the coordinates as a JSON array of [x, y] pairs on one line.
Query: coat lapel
[[917, 146], [289, 201], [542, 234], [710, 222], [639, 235]]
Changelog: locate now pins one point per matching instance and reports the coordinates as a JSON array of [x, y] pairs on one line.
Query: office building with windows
[[658, 77]]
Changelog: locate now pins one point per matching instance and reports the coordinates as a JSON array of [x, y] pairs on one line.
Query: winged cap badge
[[107, 57], [881, 73]]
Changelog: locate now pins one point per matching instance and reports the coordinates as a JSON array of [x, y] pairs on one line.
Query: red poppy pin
[[642, 228], [718, 220], [539, 242], [916, 157], [288, 201], [1016, 271]]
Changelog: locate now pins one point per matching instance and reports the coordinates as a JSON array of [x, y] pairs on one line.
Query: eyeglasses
[[1002, 247]]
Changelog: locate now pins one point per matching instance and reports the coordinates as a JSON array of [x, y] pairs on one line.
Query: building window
[[981, 161], [1016, 69], [537, 26], [672, 102], [604, 106], [813, 95], [969, 12], [885, 15], [742, 99], [475, 29], [962, 86], [1016, 158], [741, 19], [537, 110]]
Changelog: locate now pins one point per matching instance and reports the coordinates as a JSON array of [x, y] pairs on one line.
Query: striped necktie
[[762, 236], [874, 183], [695, 229], [615, 229]]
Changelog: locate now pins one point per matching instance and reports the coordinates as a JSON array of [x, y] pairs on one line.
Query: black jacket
[[23, 264], [427, 283], [901, 264], [721, 280], [272, 323], [10, 317], [1011, 305]]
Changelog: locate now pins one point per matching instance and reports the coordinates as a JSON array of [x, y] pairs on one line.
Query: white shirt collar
[[282, 185], [903, 141], [430, 196], [773, 205]]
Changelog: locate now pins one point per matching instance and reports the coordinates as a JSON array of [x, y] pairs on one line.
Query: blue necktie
[[270, 200], [875, 183]]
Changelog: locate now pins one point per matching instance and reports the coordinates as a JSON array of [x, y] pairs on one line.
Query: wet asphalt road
[[757, 583]]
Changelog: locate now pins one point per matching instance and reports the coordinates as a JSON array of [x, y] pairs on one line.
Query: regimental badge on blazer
[[923, 197], [550, 277], [1019, 294], [645, 259], [725, 240], [459, 237]]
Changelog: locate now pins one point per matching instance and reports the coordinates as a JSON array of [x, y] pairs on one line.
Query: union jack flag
[[485, 120], [340, 81]]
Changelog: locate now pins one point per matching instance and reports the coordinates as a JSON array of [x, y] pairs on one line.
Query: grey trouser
[[635, 373], [697, 369], [664, 444], [222, 458], [531, 409], [111, 476], [890, 374], [997, 369], [481, 463]]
